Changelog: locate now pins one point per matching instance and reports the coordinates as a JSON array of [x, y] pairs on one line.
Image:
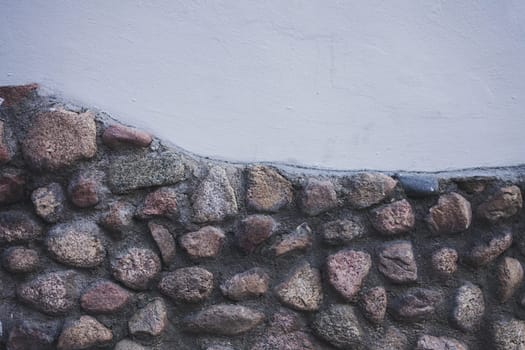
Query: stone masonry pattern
[[109, 239]]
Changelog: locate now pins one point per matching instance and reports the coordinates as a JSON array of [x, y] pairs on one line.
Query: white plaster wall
[[378, 84]]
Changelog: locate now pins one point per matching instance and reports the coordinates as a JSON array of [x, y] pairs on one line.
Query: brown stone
[[249, 284], [85, 189], [476, 184], [5, 152], [254, 230], [12, 187], [347, 270], [188, 284], [20, 260], [373, 304], [224, 319], [136, 268], [49, 202], [33, 335], [165, 241], [428, 342], [118, 217], [18, 226], [343, 231], [318, 196], [367, 189], [416, 304], [469, 307], [150, 321], [510, 276], [302, 290], [397, 262], [204, 243], [394, 218], [487, 249], [300, 239], [452, 214], [57, 139], [83, 333], [117, 134], [14, 94], [161, 202], [506, 202], [445, 261], [267, 190], [104, 297]]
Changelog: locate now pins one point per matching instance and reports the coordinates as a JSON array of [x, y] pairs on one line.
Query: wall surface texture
[[387, 85]]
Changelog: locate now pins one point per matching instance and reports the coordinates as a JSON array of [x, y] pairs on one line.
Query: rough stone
[[204, 243], [85, 189], [300, 239], [343, 231], [267, 190], [5, 152], [487, 249], [475, 184], [116, 135], [129, 173], [31, 335], [214, 199], [246, 285], [14, 94], [83, 333], [347, 270], [188, 284], [318, 196], [126, 344], [373, 304], [302, 290], [150, 321], [76, 244], [445, 261], [393, 339], [20, 260], [164, 240], [49, 202], [505, 203], [416, 304], [469, 307], [339, 326], [397, 262], [510, 276], [508, 334], [161, 202], [418, 186], [367, 189], [118, 217], [136, 268], [12, 187], [394, 218], [104, 297], [57, 139], [53, 293], [224, 319], [17, 226], [254, 230], [452, 214], [429, 342]]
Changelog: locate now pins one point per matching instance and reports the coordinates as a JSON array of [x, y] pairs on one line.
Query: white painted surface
[[415, 85]]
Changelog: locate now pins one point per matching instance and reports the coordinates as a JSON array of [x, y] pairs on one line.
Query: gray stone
[[164, 240], [510, 277], [469, 307], [318, 196], [83, 333], [150, 321], [394, 218], [419, 185], [487, 249], [347, 270], [267, 190], [393, 339], [339, 326], [508, 334], [249, 284], [451, 214], [49, 202], [126, 344], [397, 262], [224, 319], [429, 342], [300, 239], [12, 186], [343, 231], [505, 203], [367, 189], [17, 226], [204, 243], [373, 304], [33, 335], [302, 290], [20, 260], [416, 304], [188, 284], [136, 268], [445, 261]]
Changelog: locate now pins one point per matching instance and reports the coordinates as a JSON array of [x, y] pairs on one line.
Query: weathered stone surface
[[76, 244], [346, 271], [126, 344], [189, 284], [397, 262], [506, 202], [508, 334], [5, 151], [339, 326], [116, 135], [219, 347], [150, 321], [53, 293], [300, 239], [49, 202], [393, 339], [118, 217], [104, 297], [367, 189], [57, 139], [416, 304], [129, 173], [161, 202], [17, 226], [20, 260], [486, 249], [254, 230], [14, 94], [85, 189], [469, 307], [429, 342], [83, 333], [510, 276], [475, 184], [451, 214], [267, 190], [214, 199], [445, 261], [394, 218], [136, 268], [249, 284], [302, 290], [373, 304], [31, 335], [343, 231], [12, 187], [417, 186], [318, 196], [204, 243], [224, 319], [165, 241]]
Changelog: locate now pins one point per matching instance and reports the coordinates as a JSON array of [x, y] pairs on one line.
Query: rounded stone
[[118, 217], [343, 231], [445, 261], [204, 243], [267, 190], [18, 226], [33, 335], [12, 187], [188, 284], [104, 297], [487, 249], [429, 342], [161, 202], [117, 135], [339, 326], [367, 189], [505, 203], [416, 304], [20, 260], [85, 189], [510, 277], [392, 339], [249, 284], [508, 334], [83, 333], [150, 321], [302, 290], [126, 344], [397, 262], [347, 270], [394, 218], [318, 196], [164, 240], [136, 268], [373, 304], [49, 202], [469, 307], [452, 214], [254, 230]]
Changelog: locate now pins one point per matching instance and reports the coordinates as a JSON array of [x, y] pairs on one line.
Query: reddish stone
[[12, 188], [20, 260], [486, 250], [451, 214], [118, 217], [189, 284], [445, 261], [161, 202], [136, 268], [17, 226], [117, 134], [346, 271], [104, 297], [85, 190], [223, 319], [318, 197], [394, 218], [300, 239], [510, 276], [164, 240], [14, 94], [397, 262], [267, 190], [302, 289], [373, 304], [254, 230], [249, 284], [204, 243], [83, 333], [506, 202]]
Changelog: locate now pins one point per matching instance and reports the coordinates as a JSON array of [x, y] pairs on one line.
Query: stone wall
[[110, 239]]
